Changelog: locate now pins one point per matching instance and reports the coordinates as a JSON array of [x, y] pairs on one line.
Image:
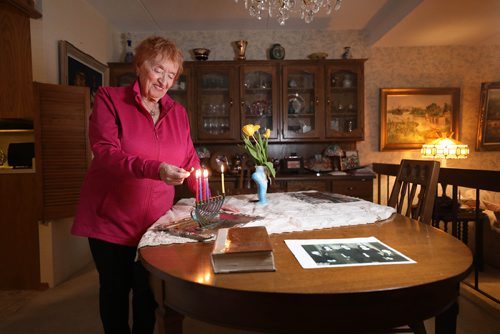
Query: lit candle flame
[[222, 178]]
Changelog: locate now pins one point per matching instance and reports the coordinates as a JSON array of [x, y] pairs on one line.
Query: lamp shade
[[445, 148]]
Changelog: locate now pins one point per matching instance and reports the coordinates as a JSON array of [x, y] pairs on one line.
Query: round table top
[[386, 295]]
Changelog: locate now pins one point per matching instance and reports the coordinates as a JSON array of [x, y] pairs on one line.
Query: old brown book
[[239, 249]]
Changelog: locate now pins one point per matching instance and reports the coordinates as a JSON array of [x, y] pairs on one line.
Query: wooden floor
[[489, 281], [72, 307]]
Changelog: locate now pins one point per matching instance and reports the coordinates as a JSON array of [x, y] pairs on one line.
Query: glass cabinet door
[[259, 97], [302, 101], [181, 92], [344, 110], [215, 102]]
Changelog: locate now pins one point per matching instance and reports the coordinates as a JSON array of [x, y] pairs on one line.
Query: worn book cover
[[238, 249]]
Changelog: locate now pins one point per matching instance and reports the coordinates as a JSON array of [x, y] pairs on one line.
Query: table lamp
[[445, 148]]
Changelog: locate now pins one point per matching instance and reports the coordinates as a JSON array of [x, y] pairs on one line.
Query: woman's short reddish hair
[[153, 46]]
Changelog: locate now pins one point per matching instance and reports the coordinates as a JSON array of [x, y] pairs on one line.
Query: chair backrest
[[245, 184], [414, 190]]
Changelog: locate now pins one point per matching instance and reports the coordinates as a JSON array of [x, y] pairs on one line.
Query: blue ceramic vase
[[260, 178]]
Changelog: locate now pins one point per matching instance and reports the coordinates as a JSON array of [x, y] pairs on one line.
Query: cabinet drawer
[[307, 185], [362, 188]]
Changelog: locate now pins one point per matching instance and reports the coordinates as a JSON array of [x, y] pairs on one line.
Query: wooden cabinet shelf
[[298, 100]]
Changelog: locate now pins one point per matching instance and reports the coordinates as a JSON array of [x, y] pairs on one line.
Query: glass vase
[[260, 178]]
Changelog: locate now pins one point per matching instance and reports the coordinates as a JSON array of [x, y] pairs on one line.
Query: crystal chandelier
[[281, 9]]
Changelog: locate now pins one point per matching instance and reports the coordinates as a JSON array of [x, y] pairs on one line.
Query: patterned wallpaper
[[457, 66], [392, 67]]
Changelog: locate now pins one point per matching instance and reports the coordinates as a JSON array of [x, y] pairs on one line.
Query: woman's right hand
[[172, 175]]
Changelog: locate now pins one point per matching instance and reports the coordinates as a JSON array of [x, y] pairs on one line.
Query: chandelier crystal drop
[[281, 9]]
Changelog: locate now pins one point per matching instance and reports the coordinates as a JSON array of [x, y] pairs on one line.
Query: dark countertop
[[304, 175]]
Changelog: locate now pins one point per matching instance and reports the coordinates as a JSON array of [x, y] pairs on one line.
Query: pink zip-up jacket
[[122, 194]]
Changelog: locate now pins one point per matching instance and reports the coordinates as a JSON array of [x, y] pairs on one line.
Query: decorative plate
[[295, 104], [217, 160]]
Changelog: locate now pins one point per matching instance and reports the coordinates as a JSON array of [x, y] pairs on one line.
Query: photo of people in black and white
[[345, 252]]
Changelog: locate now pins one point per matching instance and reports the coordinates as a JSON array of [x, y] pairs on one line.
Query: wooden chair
[[245, 183], [414, 190], [413, 195]]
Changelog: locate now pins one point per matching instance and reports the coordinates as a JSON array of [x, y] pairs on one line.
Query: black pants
[[119, 273]]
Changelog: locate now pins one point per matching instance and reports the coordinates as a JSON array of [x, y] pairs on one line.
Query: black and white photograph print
[[319, 253], [316, 197]]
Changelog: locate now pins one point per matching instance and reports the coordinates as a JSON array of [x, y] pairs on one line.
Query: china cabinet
[[121, 74], [299, 100], [216, 95], [259, 96], [344, 115], [182, 92], [302, 101]]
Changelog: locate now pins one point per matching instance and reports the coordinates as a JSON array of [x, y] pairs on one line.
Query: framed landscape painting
[[410, 117], [488, 131]]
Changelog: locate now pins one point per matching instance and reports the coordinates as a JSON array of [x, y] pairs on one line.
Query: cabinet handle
[[242, 103], [317, 100], [350, 188], [231, 102]]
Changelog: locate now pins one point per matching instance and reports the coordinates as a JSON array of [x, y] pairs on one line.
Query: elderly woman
[[142, 148]]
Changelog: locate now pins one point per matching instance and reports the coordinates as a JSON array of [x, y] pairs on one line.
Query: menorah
[[206, 213]]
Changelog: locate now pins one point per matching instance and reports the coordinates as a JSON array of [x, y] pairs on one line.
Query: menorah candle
[[198, 185], [222, 178], [206, 190]]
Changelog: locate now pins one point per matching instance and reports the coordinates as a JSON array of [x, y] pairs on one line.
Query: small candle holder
[[206, 213]]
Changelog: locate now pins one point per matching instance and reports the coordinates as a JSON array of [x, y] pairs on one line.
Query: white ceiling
[[385, 22]]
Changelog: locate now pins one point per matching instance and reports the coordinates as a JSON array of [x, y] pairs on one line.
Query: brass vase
[[241, 47]]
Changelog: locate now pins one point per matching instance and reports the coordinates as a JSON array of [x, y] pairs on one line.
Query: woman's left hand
[[173, 175]]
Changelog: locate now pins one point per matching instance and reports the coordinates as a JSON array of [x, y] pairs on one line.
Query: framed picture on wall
[[410, 117], [488, 130], [77, 68]]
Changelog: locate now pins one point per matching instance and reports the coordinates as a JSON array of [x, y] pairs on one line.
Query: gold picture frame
[[488, 129], [410, 117]]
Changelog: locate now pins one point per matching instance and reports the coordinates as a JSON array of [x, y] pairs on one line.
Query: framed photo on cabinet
[[410, 117], [77, 68], [488, 130]]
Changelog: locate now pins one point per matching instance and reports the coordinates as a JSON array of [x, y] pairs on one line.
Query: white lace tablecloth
[[282, 213]]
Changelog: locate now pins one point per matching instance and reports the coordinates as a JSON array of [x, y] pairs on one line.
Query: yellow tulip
[[256, 146], [248, 130]]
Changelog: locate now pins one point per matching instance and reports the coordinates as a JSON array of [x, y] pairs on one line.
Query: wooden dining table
[[353, 299]]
